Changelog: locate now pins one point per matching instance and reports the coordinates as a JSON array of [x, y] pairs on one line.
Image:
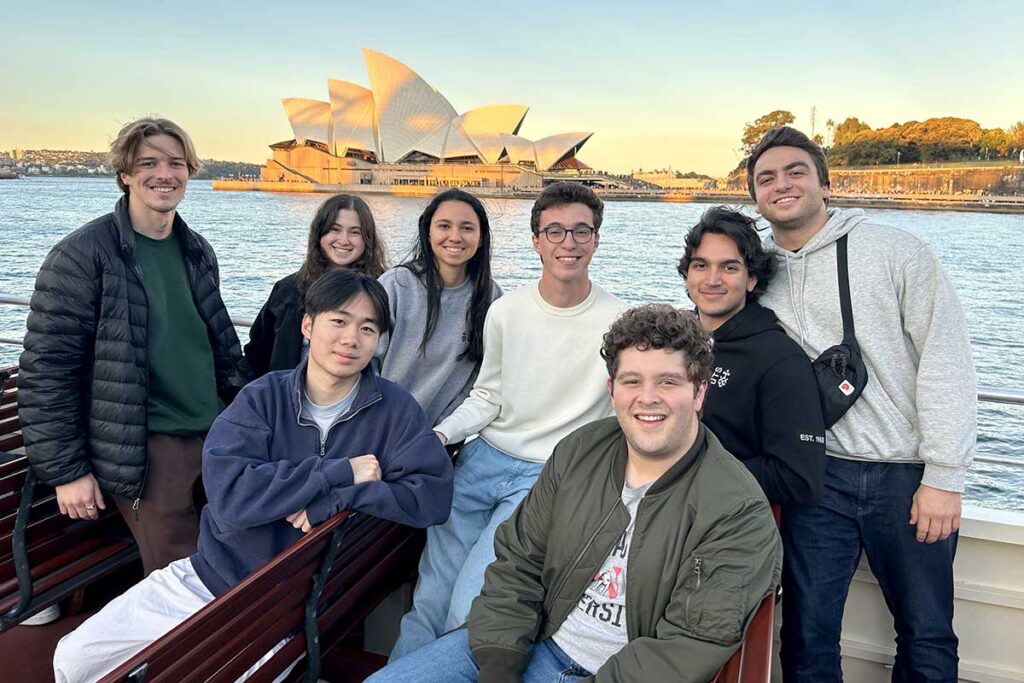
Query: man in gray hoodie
[[898, 458]]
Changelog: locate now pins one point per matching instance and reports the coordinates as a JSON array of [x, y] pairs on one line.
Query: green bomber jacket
[[705, 552]]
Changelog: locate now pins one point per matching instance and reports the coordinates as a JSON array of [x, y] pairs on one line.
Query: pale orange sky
[[658, 83]]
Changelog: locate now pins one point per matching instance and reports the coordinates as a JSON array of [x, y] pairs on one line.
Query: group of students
[[594, 441]]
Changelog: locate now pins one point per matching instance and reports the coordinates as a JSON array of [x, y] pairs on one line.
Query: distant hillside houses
[[50, 162]]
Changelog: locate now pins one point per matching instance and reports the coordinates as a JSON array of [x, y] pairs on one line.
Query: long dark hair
[[424, 266], [372, 262]]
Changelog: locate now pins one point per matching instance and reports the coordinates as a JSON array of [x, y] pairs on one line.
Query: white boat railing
[[985, 394]]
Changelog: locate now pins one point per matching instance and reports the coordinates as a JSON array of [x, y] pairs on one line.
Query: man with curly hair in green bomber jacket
[[646, 504]]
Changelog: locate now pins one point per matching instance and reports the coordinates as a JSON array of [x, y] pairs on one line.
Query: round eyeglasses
[[581, 234]]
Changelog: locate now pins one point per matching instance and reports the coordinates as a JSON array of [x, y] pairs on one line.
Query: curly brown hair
[[660, 326]]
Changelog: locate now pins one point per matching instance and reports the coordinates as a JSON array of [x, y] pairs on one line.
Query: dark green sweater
[[183, 397]]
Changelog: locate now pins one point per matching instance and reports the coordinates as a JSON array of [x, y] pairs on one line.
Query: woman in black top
[[342, 235]]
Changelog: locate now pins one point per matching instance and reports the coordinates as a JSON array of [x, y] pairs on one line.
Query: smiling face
[[655, 403], [718, 280], [159, 175], [569, 261], [341, 342], [454, 238], [788, 192], [343, 244]]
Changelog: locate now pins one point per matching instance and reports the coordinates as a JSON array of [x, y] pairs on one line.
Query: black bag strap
[[842, 265]]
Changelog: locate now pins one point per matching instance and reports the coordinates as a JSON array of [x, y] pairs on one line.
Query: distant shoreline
[[987, 203], [991, 204]]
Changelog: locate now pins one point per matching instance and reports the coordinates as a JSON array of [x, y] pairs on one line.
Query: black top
[[275, 338], [762, 403]]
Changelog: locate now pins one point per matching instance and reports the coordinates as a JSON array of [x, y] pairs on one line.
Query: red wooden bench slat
[[752, 663], [12, 481], [68, 541], [47, 519], [42, 506], [11, 443], [70, 569], [10, 427], [59, 554], [10, 424], [757, 648]]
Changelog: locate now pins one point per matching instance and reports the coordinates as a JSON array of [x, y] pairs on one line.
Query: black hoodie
[[762, 404]]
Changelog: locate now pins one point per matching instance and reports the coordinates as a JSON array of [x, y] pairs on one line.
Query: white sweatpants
[[133, 620], [130, 622]]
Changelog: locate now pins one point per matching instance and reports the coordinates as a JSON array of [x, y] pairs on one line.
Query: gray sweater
[[437, 378], [920, 403]]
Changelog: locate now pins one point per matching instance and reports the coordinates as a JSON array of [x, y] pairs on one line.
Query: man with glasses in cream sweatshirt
[[540, 379]]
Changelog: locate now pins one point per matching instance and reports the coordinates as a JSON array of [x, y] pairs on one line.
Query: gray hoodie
[[920, 403]]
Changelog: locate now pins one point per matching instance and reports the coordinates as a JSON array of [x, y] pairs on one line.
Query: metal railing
[[985, 394]]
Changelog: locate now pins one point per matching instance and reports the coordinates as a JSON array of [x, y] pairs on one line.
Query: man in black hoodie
[[762, 400]]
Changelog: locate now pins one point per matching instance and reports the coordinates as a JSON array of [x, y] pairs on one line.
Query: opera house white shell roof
[[402, 118]]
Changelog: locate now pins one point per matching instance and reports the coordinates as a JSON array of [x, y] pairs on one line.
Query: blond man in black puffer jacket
[[130, 353]]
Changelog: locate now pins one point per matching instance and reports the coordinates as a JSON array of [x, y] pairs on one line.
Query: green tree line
[[855, 143]]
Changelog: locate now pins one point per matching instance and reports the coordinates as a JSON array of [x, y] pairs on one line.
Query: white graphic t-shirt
[[596, 629]]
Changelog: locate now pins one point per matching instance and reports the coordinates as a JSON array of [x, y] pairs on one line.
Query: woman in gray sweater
[[439, 300]]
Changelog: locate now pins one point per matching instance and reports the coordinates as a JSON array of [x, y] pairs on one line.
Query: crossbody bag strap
[[842, 265]]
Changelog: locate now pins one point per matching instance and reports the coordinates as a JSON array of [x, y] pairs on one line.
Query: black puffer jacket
[[83, 383]]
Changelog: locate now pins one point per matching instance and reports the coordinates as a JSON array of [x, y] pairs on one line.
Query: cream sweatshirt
[[542, 374]]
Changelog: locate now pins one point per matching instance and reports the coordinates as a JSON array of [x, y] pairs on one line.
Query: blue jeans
[[449, 660], [866, 506], [488, 486]]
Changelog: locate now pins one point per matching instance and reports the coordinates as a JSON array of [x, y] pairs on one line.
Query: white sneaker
[[46, 616]]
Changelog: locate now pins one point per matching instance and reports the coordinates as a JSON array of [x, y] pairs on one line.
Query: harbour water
[[261, 237]]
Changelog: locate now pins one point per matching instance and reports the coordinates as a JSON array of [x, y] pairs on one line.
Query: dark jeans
[[866, 506], [166, 525]]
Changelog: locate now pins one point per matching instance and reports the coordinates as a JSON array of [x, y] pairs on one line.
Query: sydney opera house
[[401, 131]]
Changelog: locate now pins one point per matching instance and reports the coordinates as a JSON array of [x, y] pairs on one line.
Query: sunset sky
[[659, 83]]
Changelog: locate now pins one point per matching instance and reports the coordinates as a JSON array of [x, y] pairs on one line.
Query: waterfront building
[[403, 132]]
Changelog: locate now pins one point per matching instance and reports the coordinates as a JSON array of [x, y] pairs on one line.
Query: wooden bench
[[45, 556], [10, 429], [314, 593], [752, 663]]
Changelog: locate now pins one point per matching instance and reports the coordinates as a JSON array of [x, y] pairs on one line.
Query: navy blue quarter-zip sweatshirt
[[262, 462], [763, 405]]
